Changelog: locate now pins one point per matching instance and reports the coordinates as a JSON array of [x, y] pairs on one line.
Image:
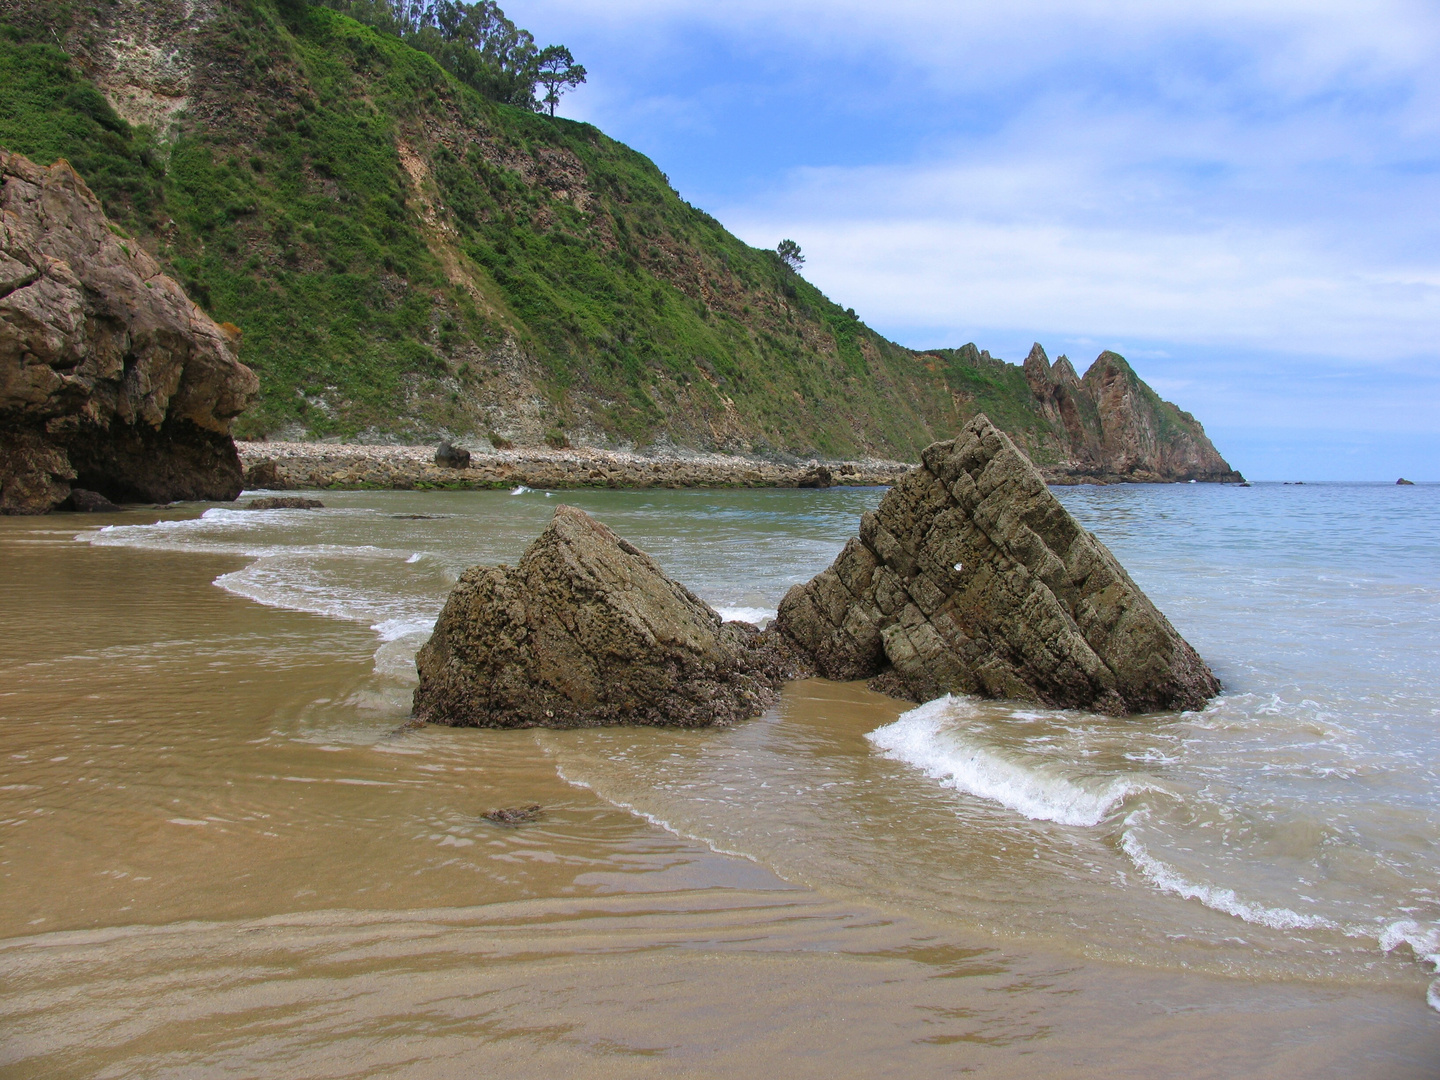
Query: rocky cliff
[[1109, 426], [111, 379], [409, 260]]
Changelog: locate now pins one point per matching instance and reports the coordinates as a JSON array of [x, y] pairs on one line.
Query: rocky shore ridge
[[303, 466], [298, 466]]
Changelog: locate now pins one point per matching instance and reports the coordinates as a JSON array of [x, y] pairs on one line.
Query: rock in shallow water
[[587, 630], [109, 376], [284, 502], [88, 502], [514, 815], [972, 578]]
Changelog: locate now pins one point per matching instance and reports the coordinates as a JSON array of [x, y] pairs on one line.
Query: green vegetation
[[996, 388], [476, 43], [409, 246], [52, 111]]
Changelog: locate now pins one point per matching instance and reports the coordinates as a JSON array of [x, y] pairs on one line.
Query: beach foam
[[1217, 898], [929, 739], [756, 615]]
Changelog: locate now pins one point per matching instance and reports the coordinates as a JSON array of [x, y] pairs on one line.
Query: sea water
[[1290, 830]]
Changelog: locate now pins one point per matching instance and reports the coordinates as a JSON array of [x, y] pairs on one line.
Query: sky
[[1242, 198]]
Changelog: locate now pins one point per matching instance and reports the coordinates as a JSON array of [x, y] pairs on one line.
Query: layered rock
[[1110, 426], [110, 377], [587, 630], [972, 578]]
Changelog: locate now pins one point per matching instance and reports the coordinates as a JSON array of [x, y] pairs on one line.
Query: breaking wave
[[929, 739]]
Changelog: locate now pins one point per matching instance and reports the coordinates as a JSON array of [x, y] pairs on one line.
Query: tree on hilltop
[[789, 252], [557, 71], [477, 44]]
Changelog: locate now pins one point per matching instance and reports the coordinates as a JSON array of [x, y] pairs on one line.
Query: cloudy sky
[[1243, 198]]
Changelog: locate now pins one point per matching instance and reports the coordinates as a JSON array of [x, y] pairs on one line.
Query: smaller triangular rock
[[587, 630], [972, 578]]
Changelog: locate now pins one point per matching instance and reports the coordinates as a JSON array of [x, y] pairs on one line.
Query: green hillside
[[407, 257]]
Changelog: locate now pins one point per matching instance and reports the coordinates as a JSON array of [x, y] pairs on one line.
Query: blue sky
[[1242, 198]]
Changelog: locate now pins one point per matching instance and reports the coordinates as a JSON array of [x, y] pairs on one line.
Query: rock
[[1109, 426], [88, 502], [514, 815], [818, 477], [972, 578], [109, 376], [265, 474], [452, 457], [284, 502], [586, 630], [1405, 483]]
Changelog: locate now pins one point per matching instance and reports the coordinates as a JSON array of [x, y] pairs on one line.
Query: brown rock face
[[109, 376], [972, 578], [1110, 426], [586, 630]]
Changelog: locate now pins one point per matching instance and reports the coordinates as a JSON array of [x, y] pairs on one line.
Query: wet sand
[[216, 860]]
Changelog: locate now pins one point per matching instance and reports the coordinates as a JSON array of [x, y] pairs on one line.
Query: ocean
[[219, 856]]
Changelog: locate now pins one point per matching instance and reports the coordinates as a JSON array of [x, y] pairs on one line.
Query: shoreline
[[305, 466], [291, 466]]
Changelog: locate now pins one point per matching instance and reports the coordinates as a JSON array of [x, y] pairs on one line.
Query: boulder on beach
[[265, 474], [587, 630], [452, 457], [110, 378], [817, 477], [972, 578], [88, 502]]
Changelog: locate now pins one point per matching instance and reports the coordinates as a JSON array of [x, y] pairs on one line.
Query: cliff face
[[110, 378], [409, 260], [1110, 426]]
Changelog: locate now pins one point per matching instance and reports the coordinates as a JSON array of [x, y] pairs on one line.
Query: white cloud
[[1256, 177]]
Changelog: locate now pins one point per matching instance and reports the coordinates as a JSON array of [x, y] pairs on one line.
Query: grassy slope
[[379, 232]]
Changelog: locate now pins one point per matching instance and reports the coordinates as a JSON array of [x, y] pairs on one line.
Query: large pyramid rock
[[587, 630], [110, 378], [971, 577]]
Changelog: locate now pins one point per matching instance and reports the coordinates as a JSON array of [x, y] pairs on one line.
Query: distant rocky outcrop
[[972, 578], [587, 630], [1110, 426], [110, 378], [1402, 482]]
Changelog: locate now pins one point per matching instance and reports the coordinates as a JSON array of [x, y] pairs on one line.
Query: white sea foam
[[1224, 900], [318, 579], [756, 615], [1424, 942], [293, 581], [397, 629], [520, 490], [928, 738]]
